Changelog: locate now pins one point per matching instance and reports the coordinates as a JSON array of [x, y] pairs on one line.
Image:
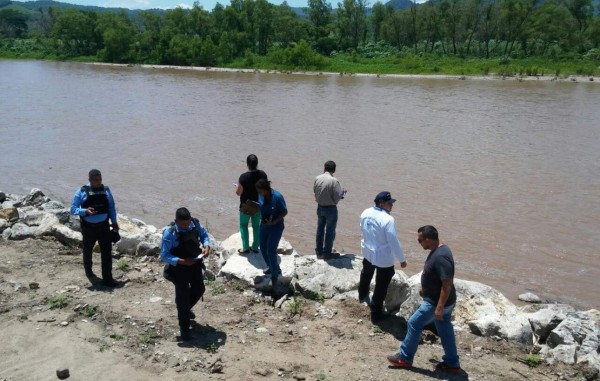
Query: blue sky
[[168, 4]]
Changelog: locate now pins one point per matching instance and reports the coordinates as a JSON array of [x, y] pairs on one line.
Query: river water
[[508, 171]]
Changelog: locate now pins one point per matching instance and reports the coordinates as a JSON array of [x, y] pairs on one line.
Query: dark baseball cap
[[384, 197]]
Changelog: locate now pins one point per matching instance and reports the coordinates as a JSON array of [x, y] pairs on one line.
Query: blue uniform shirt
[[80, 197], [170, 239], [272, 208]]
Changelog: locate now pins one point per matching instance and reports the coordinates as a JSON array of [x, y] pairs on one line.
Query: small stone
[[155, 299], [64, 323], [262, 372], [34, 285], [62, 373], [530, 298], [262, 330], [216, 368]]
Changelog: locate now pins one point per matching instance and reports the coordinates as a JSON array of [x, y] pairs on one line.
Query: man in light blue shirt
[[184, 243], [94, 204], [380, 249]]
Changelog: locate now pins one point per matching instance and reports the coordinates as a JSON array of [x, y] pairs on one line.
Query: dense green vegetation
[[507, 37]]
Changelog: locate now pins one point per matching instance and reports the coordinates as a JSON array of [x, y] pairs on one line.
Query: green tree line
[[249, 30]]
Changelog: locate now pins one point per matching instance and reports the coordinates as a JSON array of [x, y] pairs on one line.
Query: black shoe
[[255, 251], [186, 334], [331, 256], [378, 316], [192, 315], [267, 271], [110, 283]]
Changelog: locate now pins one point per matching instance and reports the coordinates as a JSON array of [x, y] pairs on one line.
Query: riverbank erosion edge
[[555, 333], [491, 76]]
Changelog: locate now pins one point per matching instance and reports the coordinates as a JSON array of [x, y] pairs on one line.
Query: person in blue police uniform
[[184, 245], [95, 206], [273, 211]]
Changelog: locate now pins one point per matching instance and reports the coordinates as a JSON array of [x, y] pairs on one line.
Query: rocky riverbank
[[311, 327]]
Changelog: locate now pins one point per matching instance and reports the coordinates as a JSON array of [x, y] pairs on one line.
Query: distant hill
[[399, 4], [33, 6]]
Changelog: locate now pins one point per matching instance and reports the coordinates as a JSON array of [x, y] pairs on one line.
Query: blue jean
[[269, 240], [423, 316], [244, 219], [327, 217]]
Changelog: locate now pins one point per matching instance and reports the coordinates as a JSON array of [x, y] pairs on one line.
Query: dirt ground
[[129, 333]]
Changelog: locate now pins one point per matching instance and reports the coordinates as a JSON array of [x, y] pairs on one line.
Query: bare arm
[[239, 190], [444, 295]]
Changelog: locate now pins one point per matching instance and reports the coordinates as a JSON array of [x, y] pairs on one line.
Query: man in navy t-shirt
[[439, 298]]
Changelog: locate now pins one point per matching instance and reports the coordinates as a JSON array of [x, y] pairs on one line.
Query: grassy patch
[[104, 347], [212, 348], [59, 301], [148, 338], [215, 288], [533, 360], [119, 338], [90, 311], [123, 265], [295, 306]]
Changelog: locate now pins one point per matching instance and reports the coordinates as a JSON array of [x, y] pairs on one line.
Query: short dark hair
[[182, 214], [252, 162], [94, 173], [330, 166], [428, 231], [263, 184]]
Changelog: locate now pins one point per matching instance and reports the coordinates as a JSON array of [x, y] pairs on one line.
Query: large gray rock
[[9, 214], [234, 242], [2, 197], [572, 330], [35, 198], [3, 224], [41, 222], [329, 278], [546, 319], [133, 232], [20, 231], [485, 310], [564, 353], [67, 236], [58, 209], [147, 248], [399, 291], [248, 267], [6, 233]]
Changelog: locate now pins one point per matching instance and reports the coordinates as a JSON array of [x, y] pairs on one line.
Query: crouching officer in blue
[[94, 204], [182, 242]]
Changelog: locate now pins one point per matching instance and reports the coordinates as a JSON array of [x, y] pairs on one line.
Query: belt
[[327, 206]]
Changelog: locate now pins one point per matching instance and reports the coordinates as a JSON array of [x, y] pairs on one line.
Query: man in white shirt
[[380, 249]]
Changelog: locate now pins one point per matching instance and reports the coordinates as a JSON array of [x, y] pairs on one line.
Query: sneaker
[[255, 251], [366, 300], [398, 361], [267, 271], [331, 256], [243, 252], [443, 367]]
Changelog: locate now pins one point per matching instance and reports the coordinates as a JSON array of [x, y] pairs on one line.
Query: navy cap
[[384, 197]]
